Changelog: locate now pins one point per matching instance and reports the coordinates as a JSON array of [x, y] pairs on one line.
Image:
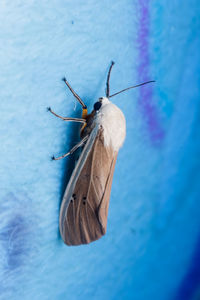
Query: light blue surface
[[153, 223]]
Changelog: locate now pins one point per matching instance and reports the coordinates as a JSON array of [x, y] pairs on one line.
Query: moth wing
[[74, 177], [84, 209]]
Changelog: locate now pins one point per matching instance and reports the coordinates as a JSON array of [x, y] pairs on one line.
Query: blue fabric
[[151, 249]]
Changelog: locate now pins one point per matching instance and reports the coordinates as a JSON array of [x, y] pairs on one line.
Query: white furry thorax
[[112, 120]]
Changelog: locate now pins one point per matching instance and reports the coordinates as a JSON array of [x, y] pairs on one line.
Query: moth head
[[101, 102]]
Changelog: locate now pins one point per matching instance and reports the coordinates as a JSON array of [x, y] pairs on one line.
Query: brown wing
[[86, 216]]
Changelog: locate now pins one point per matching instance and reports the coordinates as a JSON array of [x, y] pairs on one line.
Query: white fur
[[111, 118]]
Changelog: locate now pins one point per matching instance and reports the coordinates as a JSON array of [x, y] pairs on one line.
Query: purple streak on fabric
[[148, 109]]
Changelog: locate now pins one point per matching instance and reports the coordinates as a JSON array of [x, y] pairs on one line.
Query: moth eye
[[74, 196], [97, 105]]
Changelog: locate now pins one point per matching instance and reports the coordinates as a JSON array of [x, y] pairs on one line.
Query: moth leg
[[108, 80], [73, 149], [75, 94], [67, 119]]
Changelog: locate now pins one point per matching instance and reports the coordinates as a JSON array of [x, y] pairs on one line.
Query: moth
[[84, 208]]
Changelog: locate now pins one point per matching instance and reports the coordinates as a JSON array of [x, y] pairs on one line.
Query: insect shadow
[[73, 137]]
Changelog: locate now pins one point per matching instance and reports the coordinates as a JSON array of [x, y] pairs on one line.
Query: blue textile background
[[152, 246]]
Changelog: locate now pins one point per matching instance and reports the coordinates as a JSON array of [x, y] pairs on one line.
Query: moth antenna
[[108, 80], [75, 94], [131, 87]]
